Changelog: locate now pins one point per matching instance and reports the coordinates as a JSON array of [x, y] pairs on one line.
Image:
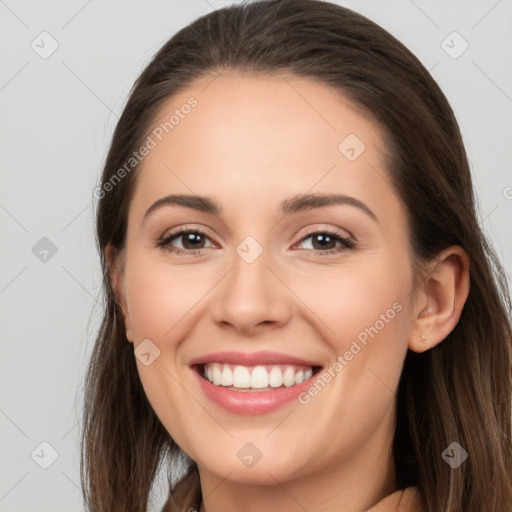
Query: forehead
[[253, 138]]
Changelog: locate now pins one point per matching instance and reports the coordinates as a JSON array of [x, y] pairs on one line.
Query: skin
[[251, 142]]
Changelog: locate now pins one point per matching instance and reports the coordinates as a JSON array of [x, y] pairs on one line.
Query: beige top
[[404, 500]]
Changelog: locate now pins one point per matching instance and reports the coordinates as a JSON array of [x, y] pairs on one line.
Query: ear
[[445, 290], [115, 266]]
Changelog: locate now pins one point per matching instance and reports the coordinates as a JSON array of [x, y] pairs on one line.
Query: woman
[[302, 312]]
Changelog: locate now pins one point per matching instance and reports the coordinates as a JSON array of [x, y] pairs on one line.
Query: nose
[[252, 297]]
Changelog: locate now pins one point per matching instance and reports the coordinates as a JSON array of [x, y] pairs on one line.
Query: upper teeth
[[256, 377]]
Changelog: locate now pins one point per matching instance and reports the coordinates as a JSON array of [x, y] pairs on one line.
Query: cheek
[[162, 302], [160, 296], [358, 302], [363, 313]]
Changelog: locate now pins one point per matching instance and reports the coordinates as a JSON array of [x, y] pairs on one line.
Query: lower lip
[[252, 402]]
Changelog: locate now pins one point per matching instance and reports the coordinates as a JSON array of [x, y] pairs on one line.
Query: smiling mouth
[[257, 378]]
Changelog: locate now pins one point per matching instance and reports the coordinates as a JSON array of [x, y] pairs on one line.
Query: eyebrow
[[295, 204]]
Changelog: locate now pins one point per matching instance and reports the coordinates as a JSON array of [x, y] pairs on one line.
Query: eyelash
[[346, 242]]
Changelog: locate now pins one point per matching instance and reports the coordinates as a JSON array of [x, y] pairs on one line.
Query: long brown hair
[[460, 390]]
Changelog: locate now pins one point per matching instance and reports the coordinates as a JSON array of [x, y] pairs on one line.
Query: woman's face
[[275, 287]]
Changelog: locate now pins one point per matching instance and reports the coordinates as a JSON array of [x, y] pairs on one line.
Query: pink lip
[[252, 359], [251, 402]]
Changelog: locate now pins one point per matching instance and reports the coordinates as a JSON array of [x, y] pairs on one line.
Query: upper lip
[[252, 359]]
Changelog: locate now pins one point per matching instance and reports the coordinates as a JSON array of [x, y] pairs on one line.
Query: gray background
[[57, 117]]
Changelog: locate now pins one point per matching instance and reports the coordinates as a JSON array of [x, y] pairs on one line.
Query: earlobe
[[114, 264], [446, 289]]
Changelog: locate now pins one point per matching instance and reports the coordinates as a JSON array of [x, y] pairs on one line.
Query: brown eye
[[192, 241], [325, 242]]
